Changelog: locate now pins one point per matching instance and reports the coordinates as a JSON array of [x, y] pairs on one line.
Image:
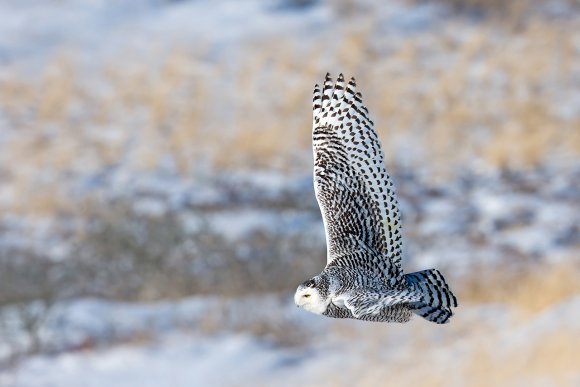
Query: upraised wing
[[354, 191]]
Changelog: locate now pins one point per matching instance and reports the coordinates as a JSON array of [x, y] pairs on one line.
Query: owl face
[[308, 297]]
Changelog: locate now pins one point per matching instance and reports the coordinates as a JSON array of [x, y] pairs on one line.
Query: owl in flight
[[363, 278]]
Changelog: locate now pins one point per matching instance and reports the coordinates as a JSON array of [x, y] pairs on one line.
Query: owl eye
[[306, 295]]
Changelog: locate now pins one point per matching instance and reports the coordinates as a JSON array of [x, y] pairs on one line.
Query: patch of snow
[[234, 225], [181, 358]]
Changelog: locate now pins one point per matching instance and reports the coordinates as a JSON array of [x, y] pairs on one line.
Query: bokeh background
[[156, 200]]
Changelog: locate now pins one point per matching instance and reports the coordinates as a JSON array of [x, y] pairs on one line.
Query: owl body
[[343, 281], [363, 278]]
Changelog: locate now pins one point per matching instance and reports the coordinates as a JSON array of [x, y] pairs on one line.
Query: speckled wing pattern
[[354, 191]]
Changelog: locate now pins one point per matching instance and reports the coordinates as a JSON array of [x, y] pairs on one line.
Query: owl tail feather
[[437, 298]]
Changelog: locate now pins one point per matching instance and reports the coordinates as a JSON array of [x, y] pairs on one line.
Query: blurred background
[[156, 200]]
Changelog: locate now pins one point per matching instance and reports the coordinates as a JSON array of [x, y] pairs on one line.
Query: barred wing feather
[[355, 194]]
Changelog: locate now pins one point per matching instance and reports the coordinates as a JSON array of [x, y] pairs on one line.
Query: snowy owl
[[363, 278]]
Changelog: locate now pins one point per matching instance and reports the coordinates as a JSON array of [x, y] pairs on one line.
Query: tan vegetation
[[531, 289], [481, 361], [485, 95]]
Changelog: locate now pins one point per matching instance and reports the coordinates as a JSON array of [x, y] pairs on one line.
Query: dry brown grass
[[489, 358], [460, 94], [550, 359], [531, 289]]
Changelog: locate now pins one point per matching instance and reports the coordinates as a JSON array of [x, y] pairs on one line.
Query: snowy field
[[157, 209], [488, 343]]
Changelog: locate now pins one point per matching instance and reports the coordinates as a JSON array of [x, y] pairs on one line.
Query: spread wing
[[355, 194]]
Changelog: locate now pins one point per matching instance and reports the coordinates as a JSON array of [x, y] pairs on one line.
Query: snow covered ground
[[492, 342]]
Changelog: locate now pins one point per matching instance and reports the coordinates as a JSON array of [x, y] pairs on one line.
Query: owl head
[[311, 296]]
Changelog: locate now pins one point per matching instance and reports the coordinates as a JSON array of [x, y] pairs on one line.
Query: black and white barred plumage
[[363, 278]]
